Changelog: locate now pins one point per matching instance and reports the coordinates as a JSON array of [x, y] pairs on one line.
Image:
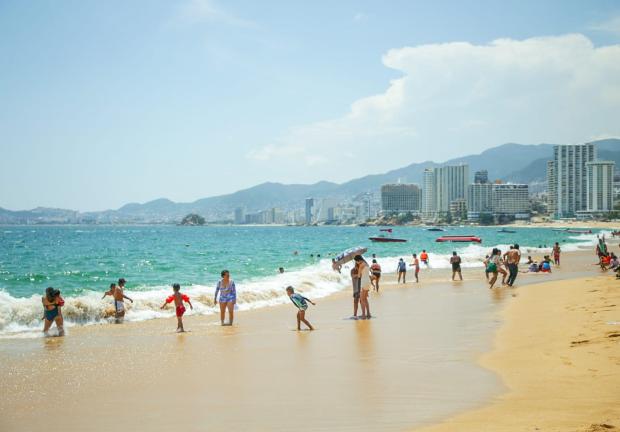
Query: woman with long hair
[[228, 296], [363, 272]]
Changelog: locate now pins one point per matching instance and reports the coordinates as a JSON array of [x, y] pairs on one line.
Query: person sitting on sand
[[375, 268], [605, 261], [529, 260], [228, 296], [52, 304], [178, 300], [363, 272], [118, 294], [614, 263], [401, 269], [301, 303]]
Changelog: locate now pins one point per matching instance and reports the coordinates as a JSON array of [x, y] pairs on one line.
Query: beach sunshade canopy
[[349, 254]]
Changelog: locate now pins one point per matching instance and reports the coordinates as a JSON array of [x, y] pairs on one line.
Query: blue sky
[[104, 103]]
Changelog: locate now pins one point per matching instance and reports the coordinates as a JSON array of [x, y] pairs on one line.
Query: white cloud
[[612, 25], [458, 98]]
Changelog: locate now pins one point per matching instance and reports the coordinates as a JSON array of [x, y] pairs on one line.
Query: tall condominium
[[600, 186], [511, 200], [479, 199], [400, 198], [481, 176], [309, 205], [442, 186], [568, 178]]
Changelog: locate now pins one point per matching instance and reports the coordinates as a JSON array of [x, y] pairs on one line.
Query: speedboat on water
[[578, 231], [382, 239], [459, 239], [506, 231], [435, 229]]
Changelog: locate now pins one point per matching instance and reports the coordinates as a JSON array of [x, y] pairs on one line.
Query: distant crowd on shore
[[364, 277]]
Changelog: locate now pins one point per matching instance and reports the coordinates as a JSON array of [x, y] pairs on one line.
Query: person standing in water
[[178, 300], [118, 294], [363, 273], [455, 260], [52, 302], [375, 268], [424, 257], [355, 280], [402, 270], [512, 257], [415, 263], [228, 296], [301, 303], [556, 253]]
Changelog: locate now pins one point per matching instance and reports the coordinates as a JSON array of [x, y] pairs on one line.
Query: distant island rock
[[193, 219]]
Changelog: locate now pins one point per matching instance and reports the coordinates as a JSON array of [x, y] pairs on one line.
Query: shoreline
[[557, 352], [460, 385]]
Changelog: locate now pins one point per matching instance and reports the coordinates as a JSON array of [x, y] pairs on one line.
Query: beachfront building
[[511, 201], [442, 185], [458, 209], [239, 215], [600, 186], [479, 200], [324, 211], [428, 194], [481, 177], [567, 178], [551, 189], [400, 198], [309, 207]]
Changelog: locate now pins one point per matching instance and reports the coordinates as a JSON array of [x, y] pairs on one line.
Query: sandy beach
[[452, 355]]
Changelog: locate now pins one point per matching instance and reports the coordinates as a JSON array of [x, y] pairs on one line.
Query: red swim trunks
[[180, 310]]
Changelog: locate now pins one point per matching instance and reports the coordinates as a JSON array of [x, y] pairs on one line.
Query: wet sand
[[412, 365], [559, 355]]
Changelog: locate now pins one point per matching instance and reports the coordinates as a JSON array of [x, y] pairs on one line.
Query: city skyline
[[111, 103]]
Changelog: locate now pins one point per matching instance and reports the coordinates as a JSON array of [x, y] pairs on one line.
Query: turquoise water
[[83, 261]]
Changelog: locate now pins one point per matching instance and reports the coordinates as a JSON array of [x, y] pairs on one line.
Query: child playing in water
[[52, 302], [178, 300], [118, 294], [300, 301]]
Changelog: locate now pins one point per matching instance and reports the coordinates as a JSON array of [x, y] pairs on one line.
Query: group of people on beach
[[364, 277]]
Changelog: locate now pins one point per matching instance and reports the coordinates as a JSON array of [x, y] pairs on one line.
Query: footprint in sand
[[579, 342], [613, 335], [600, 427]]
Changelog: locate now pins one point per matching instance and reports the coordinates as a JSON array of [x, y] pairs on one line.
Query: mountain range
[[515, 163]]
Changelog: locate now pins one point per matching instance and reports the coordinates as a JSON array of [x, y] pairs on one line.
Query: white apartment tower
[[567, 178], [600, 186]]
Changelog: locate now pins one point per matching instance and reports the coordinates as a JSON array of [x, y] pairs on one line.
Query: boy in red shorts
[[178, 300]]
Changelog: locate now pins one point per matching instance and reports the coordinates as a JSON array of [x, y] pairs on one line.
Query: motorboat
[[382, 239], [459, 239], [578, 231], [435, 229], [506, 231]]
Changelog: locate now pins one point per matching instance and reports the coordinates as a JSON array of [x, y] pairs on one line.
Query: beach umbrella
[[348, 255]]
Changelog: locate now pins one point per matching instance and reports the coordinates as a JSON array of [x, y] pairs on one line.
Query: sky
[[103, 103]]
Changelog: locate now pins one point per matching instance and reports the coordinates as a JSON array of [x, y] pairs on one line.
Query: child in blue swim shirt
[[301, 303]]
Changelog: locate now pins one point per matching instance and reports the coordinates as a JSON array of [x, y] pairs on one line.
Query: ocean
[[82, 261]]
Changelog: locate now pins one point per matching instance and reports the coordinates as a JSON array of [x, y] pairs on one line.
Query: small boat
[[459, 239], [560, 229], [386, 240], [389, 230], [435, 229], [506, 231], [577, 231]]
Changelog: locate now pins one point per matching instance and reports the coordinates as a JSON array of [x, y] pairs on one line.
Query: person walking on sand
[[415, 263], [178, 300], [118, 294], [228, 296], [301, 303], [363, 273], [513, 257], [355, 280], [455, 260], [375, 268], [52, 304], [402, 270], [556, 254]]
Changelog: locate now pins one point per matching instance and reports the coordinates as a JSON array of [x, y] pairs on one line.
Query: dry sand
[[414, 365], [559, 355]]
